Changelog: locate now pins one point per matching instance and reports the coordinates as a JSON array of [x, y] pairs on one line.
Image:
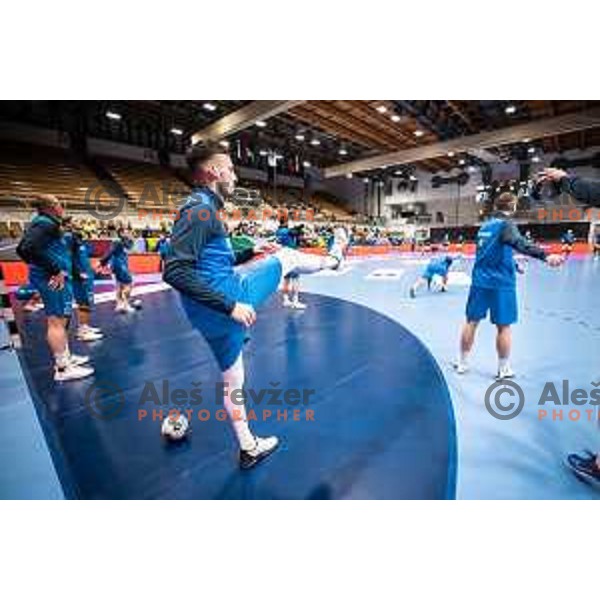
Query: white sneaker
[[298, 305], [88, 335], [505, 373], [78, 360], [460, 367], [71, 372], [125, 309], [92, 329], [287, 303], [264, 447]]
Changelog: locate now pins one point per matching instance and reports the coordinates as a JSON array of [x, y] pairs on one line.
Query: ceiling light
[[315, 142], [412, 178], [349, 175], [526, 140], [300, 137], [306, 164], [462, 162], [450, 154], [113, 115], [418, 133], [261, 123], [395, 118], [366, 180], [263, 152], [381, 109], [343, 151], [209, 106], [224, 143], [535, 159], [511, 109], [176, 131], [531, 150]]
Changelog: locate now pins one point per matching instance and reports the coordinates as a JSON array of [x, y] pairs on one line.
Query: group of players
[[221, 301], [61, 279]]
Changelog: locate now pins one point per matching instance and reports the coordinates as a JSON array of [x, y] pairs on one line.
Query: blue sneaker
[[585, 467]]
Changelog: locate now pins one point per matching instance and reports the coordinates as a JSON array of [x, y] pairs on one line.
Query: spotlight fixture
[[306, 164], [176, 131], [531, 150], [535, 159], [419, 133], [366, 180], [381, 109], [349, 175], [343, 151], [413, 178], [462, 162], [450, 154], [395, 118], [527, 140], [224, 143], [300, 137], [315, 142], [263, 152], [261, 123], [511, 109], [113, 115], [209, 106]]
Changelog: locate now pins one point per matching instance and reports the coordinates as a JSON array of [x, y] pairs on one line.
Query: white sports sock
[[61, 360], [234, 380], [502, 363], [464, 358]]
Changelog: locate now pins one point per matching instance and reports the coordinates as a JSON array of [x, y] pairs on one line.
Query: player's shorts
[[253, 285], [501, 304], [83, 292], [57, 303], [122, 274]]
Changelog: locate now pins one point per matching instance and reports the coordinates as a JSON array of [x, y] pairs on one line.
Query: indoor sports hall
[[403, 291]]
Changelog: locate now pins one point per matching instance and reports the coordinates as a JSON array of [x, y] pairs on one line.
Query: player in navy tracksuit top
[[44, 250], [118, 260], [83, 283], [493, 284], [221, 301], [586, 465]]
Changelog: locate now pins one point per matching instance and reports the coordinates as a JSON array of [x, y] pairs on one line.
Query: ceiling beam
[[245, 117], [508, 135]]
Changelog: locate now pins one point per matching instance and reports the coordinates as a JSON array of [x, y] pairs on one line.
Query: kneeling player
[[436, 268]]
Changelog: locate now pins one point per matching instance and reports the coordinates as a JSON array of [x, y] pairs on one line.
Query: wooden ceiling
[[385, 126]]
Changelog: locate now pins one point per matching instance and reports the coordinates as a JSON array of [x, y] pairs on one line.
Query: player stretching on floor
[[220, 302], [493, 282], [45, 251], [436, 267]]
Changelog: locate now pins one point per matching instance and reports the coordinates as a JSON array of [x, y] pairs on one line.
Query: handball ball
[[175, 427], [436, 283]]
